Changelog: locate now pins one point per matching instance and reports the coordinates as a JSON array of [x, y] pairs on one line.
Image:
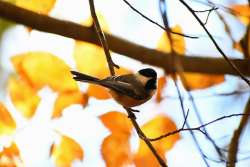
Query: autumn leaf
[[90, 59], [38, 6], [242, 11], [66, 99], [117, 122], [115, 147], [7, 123], [66, 151], [10, 156], [160, 86], [155, 128], [202, 81], [41, 68], [191, 81], [178, 42], [23, 97], [116, 150]]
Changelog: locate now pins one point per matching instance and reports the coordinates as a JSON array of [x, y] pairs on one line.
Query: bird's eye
[[151, 84]]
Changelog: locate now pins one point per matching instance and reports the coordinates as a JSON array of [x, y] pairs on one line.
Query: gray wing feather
[[122, 84]]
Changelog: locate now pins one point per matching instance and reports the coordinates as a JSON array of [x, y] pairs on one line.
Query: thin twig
[[143, 137], [215, 43], [154, 22], [190, 63], [102, 38], [195, 128], [177, 67]]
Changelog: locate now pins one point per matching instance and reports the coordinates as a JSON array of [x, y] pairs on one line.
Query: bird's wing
[[122, 84]]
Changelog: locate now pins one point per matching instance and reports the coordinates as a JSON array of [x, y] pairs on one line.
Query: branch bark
[[149, 56], [234, 144]]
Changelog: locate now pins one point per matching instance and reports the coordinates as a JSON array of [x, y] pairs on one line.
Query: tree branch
[[233, 66], [118, 45], [102, 38], [234, 144]]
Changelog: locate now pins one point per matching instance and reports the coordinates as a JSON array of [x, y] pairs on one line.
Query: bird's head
[[150, 78]]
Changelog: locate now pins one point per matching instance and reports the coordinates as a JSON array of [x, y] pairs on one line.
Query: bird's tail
[[84, 78]]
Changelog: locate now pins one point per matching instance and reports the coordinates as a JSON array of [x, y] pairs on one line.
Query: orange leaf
[[10, 156], [38, 6], [242, 11], [178, 42], [66, 99], [161, 84], [117, 122], [116, 150], [156, 127], [23, 97], [7, 124], [41, 68], [202, 81], [66, 152]]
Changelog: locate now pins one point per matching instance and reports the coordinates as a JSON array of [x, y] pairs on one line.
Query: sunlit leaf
[[155, 128], [66, 99], [100, 92], [90, 59], [38, 6], [23, 97], [242, 11], [160, 86], [178, 42], [115, 148], [117, 122], [10, 156], [202, 81], [66, 151], [7, 123], [41, 68]]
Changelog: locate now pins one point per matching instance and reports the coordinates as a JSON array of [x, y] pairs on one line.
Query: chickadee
[[128, 90]]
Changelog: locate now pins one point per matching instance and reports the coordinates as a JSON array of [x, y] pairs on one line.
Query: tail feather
[[83, 77]]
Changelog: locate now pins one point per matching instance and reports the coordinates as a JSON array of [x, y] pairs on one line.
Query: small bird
[[128, 90]]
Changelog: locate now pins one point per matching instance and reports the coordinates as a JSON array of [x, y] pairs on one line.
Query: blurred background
[[54, 121]]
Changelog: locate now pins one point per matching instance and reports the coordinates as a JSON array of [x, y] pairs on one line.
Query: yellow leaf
[[155, 128], [10, 156], [66, 152], [66, 99], [41, 68], [116, 150], [7, 124], [117, 122], [202, 81], [160, 86], [178, 42], [23, 97], [242, 11], [39, 6], [90, 59]]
